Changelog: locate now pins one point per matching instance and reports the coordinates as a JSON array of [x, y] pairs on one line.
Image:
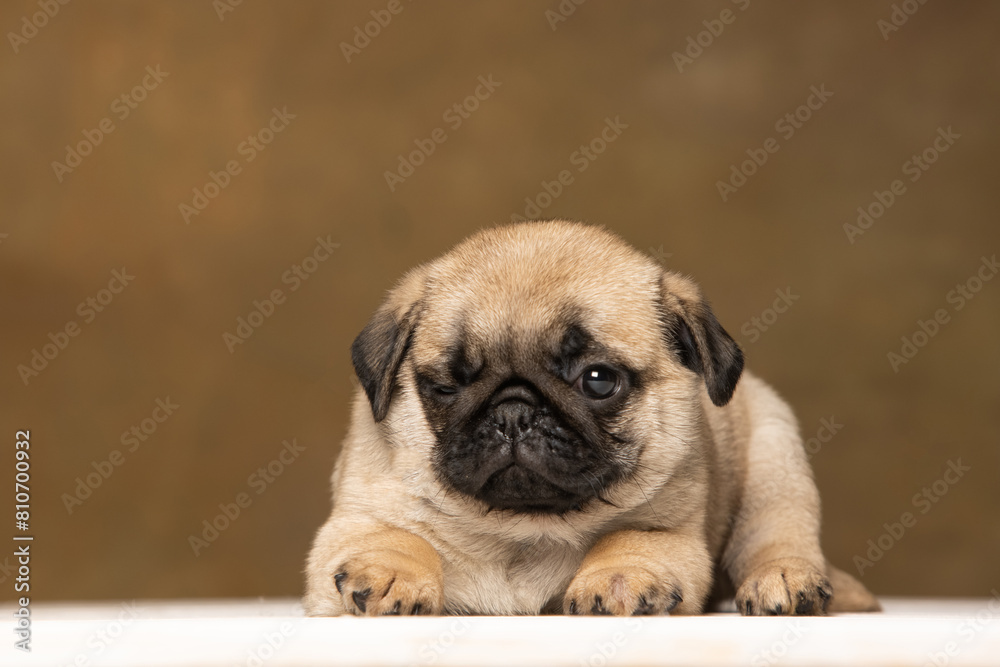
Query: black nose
[[513, 407], [513, 418]]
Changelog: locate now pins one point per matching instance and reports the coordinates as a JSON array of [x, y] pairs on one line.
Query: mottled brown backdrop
[[218, 77]]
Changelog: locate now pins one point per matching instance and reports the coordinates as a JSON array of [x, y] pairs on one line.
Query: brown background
[[324, 175]]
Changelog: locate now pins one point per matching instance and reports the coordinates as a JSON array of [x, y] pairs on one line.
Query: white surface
[[237, 632]]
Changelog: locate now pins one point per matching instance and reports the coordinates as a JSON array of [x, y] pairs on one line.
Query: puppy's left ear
[[379, 350], [695, 334]]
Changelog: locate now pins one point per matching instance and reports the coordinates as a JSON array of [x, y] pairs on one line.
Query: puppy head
[[552, 363]]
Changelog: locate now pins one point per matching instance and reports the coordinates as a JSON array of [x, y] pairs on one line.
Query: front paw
[[389, 583], [785, 586], [625, 590]]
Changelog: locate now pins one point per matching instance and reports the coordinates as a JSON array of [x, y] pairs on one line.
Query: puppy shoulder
[[761, 401], [754, 405], [364, 463]]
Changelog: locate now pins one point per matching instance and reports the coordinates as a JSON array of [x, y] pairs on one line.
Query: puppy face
[[553, 364], [531, 425]]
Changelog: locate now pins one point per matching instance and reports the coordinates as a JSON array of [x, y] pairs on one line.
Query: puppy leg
[[373, 571], [635, 572], [776, 565], [773, 556]]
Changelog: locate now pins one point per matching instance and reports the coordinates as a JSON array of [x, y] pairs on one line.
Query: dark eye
[[444, 389], [598, 382]]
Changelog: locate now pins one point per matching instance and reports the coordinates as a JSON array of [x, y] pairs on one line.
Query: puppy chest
[[523, 584]]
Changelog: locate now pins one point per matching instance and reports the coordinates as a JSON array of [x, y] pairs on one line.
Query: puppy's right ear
[[380, 348]]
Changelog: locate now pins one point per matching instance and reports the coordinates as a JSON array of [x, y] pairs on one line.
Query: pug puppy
[[551, 422]]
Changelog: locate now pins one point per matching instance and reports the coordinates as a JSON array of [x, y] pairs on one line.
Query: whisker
[[650, 504], [437, 509], [515, 525]]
